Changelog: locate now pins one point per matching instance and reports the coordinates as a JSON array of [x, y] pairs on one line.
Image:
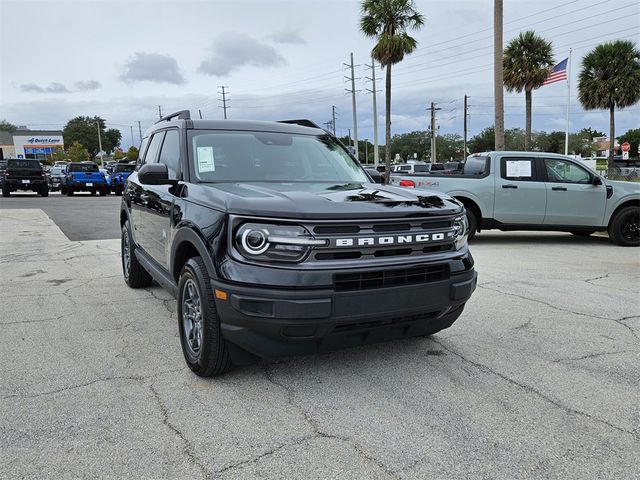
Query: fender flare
[[188, 234]]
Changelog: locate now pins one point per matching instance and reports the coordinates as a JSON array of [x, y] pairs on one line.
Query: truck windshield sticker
[[206, 162], [518, 168]]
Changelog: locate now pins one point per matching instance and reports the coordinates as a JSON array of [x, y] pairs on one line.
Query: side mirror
[[155, 174], [597, 180]]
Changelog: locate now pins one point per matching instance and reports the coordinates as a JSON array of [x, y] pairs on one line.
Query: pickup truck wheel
[[205, 350], [103, 192], [134, 274], [624, 227], [583, 233], [69, 192], [473, 223], [93, 192], [6, 192], [118, 190], [44, 192]]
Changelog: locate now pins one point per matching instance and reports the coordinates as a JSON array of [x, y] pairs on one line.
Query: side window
[[477, 165], [143, 146], [520, 169], [151, 156], [170, 153], [564, 171]]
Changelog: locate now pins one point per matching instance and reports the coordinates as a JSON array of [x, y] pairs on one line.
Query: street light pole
[[100, 144]]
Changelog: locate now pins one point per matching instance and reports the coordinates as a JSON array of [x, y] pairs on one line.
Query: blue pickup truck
[[538, 191], [84, 177], [119, 173]]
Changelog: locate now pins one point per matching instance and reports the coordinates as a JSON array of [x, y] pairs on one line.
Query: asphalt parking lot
[[537, 379]]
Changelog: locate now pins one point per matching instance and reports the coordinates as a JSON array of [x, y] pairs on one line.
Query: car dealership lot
[[537, 379]]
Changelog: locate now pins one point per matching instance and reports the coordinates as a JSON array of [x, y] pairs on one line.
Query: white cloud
[[152, 67]]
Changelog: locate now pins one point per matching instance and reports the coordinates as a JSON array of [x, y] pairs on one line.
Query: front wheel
[[624, 227], [44, 192], [473, 223], [204, 348], [6, 192]]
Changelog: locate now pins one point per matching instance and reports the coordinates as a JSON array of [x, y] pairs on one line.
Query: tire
[[135, 276], [6, 192], [93, 192], [103, 192], [584, 234], [69, 192], [624, 227], [473, 223], [44, 192], [117, 190], [208, 357]]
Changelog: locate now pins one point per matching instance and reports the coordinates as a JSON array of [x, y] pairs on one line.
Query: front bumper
[[272, 323]]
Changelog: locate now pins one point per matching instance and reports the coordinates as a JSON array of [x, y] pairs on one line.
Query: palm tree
[[388, 22], [610, 78], [527, 61]]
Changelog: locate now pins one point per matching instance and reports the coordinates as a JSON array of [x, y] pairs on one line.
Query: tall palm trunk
[[527, 128], [612, 130], [498, 75], [387, 147]]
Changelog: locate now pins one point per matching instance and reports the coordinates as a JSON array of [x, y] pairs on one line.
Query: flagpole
[[566, 135]]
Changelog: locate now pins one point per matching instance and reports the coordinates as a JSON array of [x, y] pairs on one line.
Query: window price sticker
[[206, 162], [518, 168]]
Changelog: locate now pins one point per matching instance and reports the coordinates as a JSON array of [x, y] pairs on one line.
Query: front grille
[[343, 282]]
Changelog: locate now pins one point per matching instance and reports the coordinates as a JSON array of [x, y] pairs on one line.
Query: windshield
[[421, 168], [30, 164], [82, 167], [223, 156]]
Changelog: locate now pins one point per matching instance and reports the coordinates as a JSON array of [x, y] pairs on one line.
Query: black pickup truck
[[276, 242], [24, 174]]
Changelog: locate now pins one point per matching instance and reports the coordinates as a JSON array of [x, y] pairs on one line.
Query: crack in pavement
[[136, 378], [590, 355], [188, 447], [52, 319], [165, 301], [566, 310], [591, 280], [318, 433], [541, 395]]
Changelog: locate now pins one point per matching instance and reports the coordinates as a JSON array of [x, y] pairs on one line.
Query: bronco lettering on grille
[[390, 240]]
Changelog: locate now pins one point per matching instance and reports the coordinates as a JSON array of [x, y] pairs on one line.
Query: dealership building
[[25, 143]]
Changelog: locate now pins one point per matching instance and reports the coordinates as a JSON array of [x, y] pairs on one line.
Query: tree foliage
[[7, 126], [58, 155], [78, 152], [610, 79], [132, 154], [84, 130], [527, 61], [633, 137], [388, 22]]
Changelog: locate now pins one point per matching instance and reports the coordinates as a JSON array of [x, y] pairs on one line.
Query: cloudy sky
[[283, 59]]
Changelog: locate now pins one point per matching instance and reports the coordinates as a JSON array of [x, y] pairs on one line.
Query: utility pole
[[224, 100], [333, 119], [433, 109], [353, 104], [159, 111], [464, 151], [100, 144], [373, 91], [200, 113], [140, 130], [132, 140], [498, 75]]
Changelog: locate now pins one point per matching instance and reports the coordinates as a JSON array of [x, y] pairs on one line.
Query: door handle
[[509, 186], [562, 189]]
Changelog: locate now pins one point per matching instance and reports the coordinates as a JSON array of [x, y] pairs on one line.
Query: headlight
[[461, 231], [280, 243]]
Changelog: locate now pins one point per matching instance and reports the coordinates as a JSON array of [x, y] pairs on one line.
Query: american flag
[[558, 73]]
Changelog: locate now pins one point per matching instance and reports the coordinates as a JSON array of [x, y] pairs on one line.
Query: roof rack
[[303, 122], [182, 114]]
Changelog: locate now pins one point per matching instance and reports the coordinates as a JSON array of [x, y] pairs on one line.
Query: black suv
[[24, 174], [276, 242]]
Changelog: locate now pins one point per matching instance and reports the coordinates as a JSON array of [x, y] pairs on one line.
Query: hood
[[324, 200], [621, 188]]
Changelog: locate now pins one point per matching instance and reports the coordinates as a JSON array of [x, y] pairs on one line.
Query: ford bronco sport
[[276, 242]]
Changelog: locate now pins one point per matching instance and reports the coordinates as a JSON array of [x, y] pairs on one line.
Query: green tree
[[449, 147], [610, 78], [483, 141], [406, 144], [111, 140], [78, 152], [527, 61], [58, 155], [549, 142], [7, 126], [388, 21], [119, 154], [633, 137], [84, 130], [132, 154]]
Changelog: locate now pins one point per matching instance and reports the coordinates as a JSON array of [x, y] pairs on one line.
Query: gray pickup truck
[[538, 191]]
